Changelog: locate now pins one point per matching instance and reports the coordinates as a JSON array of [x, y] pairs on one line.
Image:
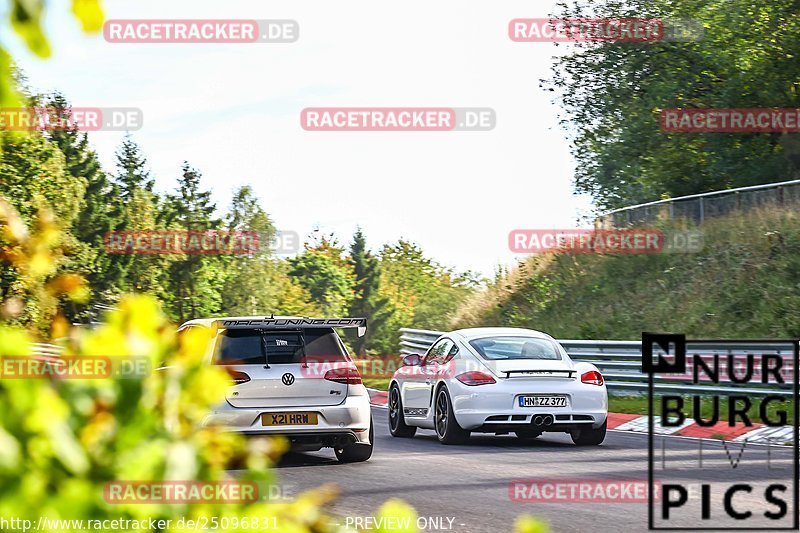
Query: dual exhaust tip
[[543, 420]]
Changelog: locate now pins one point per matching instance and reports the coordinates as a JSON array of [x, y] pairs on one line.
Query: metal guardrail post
[[702, 213]]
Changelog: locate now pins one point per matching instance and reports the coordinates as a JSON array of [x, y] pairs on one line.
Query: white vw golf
[[497, 380], [291, 376]]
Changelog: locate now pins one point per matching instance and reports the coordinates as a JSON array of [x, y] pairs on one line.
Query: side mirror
[[412, 360]]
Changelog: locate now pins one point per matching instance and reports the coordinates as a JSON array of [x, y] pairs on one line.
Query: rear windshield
[[506, 348], [259, 347]]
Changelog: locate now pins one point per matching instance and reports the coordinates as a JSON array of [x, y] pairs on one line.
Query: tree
[[322, 270], [132, 175], [140, 212], [97, 214], [612, 95], [367, 301], [258, 284], [421, 293], [194, 280]]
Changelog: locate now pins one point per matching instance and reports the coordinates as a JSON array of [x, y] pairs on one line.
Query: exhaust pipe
[[538, 420], [548, 420], [543, 420]]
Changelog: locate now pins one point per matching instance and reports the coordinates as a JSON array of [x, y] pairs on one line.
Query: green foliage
[[421, 293], [64, 440], [743, 284], [96, 215], [132, 174], [322, 270], [61, 441], [612, 94], [193, 280], [259, 284], [32, 175], [368, 302]]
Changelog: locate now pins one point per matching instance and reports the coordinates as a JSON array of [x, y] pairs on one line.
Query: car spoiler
[[293, 322]]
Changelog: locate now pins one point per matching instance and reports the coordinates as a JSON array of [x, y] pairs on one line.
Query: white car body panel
[[495, 407], [343, 410]]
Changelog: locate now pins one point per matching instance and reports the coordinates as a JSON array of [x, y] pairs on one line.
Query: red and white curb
[[378, 398], [756, 434]]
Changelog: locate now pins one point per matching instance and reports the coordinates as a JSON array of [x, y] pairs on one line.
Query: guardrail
[[698, 207], [620, 363]]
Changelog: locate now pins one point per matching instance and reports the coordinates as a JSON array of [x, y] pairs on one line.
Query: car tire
[[397, 424], [444, 421], [589, 436], [356, 453], [527, 433]]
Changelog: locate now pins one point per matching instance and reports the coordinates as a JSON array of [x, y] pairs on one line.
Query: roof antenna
[[272, 315]]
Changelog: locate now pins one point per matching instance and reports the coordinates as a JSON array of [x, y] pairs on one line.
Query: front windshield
[[516, 347]]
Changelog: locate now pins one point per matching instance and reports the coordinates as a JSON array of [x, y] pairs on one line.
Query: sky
[[233, 112]]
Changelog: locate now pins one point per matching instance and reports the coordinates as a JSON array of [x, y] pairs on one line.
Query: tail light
[[345, 376], [239, 377], [475, 378], [592, 377]]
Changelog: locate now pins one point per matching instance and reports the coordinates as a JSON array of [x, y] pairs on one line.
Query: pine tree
[[99, 212], [367, 301], [194, 280], [140, 209], [132, 169]]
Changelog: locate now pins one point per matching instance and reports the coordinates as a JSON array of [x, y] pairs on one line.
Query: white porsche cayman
[[498, 380]]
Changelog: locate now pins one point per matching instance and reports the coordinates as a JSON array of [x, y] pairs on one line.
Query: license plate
[[289, 419], [543, 401]]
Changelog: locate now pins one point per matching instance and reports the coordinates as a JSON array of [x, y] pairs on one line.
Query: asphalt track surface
[[470, 483]]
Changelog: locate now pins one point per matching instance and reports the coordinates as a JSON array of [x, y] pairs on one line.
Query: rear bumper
[[496, 407], [340, 424]]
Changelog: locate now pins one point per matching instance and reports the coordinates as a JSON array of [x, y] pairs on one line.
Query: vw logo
[[287, 379]]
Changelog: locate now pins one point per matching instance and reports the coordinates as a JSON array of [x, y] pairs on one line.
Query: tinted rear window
[[504, 348], [256, 347]]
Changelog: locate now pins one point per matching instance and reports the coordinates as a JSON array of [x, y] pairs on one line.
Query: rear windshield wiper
[[303, 349], [264, 349]]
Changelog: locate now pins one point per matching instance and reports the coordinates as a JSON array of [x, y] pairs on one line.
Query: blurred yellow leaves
[[400, 513], [89, 13], [63, 440], [528, 524], [35, 254], [26, 20]]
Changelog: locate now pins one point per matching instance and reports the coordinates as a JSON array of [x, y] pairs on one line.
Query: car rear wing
[[278, 323]]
